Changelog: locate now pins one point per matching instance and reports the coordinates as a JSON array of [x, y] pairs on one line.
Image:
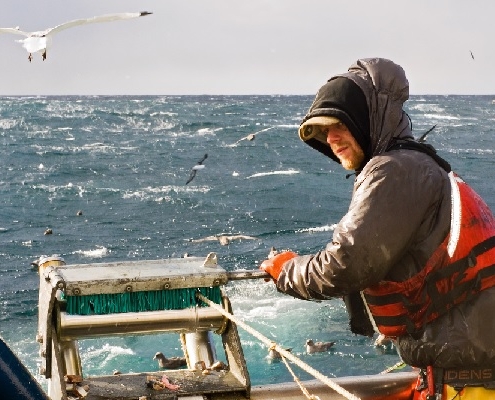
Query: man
[[415, 251]]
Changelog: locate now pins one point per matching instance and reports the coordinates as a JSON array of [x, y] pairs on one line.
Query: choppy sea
[[123, 162]]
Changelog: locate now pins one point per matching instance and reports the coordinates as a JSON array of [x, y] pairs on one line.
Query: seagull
[[39, 41], [471, 54], [194, 169], [224, 240], [275, 355], [317, 347], [251, 136], [170, 363]]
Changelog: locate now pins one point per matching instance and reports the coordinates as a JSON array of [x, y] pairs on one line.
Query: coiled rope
[[272, 345]]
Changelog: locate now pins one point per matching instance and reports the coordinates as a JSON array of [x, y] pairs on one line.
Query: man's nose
[[333, 136]]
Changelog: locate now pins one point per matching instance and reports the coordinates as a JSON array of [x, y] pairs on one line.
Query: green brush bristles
[[173, 299]]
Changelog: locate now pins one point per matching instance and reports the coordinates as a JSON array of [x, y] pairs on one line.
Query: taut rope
[[298, 381], [305, 367]]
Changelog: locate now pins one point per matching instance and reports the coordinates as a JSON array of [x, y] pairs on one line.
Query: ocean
[[108, 176]]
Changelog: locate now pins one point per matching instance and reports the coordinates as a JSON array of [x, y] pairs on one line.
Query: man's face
[[344, 146]]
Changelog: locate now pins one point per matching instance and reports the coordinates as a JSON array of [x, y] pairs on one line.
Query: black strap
[[423, 148], [359, 319]]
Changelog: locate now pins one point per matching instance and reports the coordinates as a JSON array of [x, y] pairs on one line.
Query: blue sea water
[[124, 161]]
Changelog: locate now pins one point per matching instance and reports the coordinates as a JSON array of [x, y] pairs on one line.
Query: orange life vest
[[462, 266]]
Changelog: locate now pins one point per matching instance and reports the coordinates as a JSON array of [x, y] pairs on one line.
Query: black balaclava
[[341, 98]]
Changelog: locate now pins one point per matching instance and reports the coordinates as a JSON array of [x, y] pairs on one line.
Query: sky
[[272, 47]]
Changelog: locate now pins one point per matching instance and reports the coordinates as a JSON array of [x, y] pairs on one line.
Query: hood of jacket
[[384, 88]]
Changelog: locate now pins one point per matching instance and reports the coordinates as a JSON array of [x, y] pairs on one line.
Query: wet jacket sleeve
[[391, 205]]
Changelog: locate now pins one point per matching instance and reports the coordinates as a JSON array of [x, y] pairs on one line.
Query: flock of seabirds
[[180, 362], [39, 41]]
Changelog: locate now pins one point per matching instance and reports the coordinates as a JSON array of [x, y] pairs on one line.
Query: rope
[[299, 383], [270, 344], [399, 365]]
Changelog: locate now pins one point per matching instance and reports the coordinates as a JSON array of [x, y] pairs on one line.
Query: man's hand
[[274, 264]]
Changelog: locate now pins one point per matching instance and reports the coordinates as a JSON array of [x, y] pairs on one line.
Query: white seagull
[[197, 167], [251, 136], [39, 41]]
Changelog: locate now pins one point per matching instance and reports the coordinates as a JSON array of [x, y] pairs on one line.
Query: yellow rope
[[399, 365], [270, 344]]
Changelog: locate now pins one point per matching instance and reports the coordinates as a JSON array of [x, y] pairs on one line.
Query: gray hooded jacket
[[398, 215]]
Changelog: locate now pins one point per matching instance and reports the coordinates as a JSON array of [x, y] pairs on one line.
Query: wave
[[105, 354], [325, 228], [437, 116], [427, 107], [162, 193], [471, 151], [96, 253], [261, 174]]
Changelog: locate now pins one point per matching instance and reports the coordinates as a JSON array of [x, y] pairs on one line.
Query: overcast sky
[[248, 46]]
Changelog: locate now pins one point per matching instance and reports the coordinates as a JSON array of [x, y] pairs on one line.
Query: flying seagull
[[251, 136], [199, 165], [39, 41], [224, 240], [471, 54]]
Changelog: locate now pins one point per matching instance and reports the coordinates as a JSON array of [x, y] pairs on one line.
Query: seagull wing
[[204, 158], [92, 20], [207, 238], [264, 130], [253, 135], [15, 31], [422, 138], [241, 237], [191, 177]]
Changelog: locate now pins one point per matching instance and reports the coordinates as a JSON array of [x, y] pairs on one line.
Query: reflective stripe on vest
[[462, 266]]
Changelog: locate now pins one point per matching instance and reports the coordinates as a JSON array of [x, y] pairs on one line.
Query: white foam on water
[[325, 228], [286, 172], [95, 253]]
